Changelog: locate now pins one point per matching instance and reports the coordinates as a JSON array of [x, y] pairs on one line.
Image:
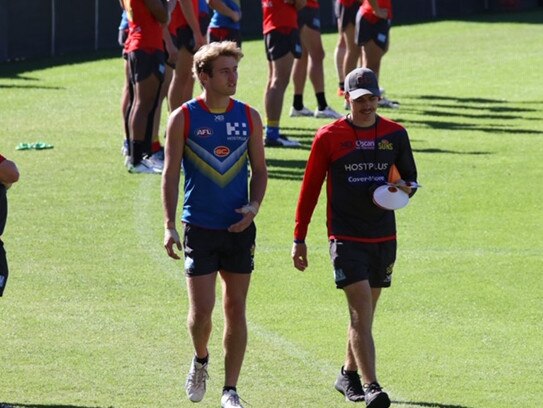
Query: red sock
[[155, 147]]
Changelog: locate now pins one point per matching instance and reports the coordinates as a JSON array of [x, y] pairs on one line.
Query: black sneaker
[[349, 385], [375, 396]]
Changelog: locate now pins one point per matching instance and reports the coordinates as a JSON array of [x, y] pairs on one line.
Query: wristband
[[249, 208], [299, 241]]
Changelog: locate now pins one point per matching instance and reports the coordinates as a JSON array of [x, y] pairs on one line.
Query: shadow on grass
[[487, 115], [442, 151], [428, 404], [285, 169], [17, 69], [54, 88], [479, 114], [15, 405], [509, 14]]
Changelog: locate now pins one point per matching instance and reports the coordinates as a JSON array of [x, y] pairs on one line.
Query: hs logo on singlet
[[236, 129]]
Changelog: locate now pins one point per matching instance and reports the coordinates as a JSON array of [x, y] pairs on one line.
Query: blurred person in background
[[310, 64], [9, 174], [282, 43], [373, 23]]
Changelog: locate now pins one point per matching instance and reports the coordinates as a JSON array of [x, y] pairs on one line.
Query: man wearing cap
[[356, 154]]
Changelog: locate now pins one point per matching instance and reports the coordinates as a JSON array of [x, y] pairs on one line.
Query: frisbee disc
[[390, 198]]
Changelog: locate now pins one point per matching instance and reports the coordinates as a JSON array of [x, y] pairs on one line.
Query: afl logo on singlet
[[221, 151], [204, 132]]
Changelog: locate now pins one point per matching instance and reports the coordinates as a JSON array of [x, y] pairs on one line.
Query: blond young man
[[214, 138]]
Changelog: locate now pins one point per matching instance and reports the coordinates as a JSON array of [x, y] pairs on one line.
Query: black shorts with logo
[[279, 43], [143, 64], [309, 16], [378, 32], [204, 20], [346, 15], [359, 261], [216, 34], [207, 251], [184, 38]]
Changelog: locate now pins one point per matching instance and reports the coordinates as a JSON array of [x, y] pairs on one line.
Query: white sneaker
[[385, 103], [124, 149], [157, 160], [230, 399], [281, 141], [196, 381], [143, 167], [327, 113], [294, 113]]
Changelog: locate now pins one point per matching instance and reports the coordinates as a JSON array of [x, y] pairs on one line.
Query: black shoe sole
[[381, 401]]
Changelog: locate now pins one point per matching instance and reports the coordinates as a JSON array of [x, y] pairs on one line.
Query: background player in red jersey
[[146, 66], [373, 23], [282, 41], [310, 64], [347, 51], [355, 155], [189, 39]]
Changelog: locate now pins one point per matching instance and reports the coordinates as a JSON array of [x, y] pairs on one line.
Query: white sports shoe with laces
[[157, 160], [386, 103], [327, 113], [196, 381], [230, 399], [295, 113], [143, 167]]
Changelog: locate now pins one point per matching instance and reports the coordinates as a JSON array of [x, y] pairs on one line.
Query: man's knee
[[318, 54], [279, 82], [234, 308]]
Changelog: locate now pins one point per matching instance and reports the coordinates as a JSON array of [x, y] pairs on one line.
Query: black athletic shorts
[[142, 64], [278, 44], [378, 32], [309, 16], [4, 270], [184, 38], [346, 15], [216, 34], [359, 261], [207, 251], [204, 20]]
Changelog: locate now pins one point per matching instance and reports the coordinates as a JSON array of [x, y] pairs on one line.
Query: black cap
[[361, 81]]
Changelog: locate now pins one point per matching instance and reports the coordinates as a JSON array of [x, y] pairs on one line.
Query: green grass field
[[94, 312]]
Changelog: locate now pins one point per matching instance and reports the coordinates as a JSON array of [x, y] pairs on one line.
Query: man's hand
[[406, 186], [172, 237], [249, 212], [199, 40], [299, 256], [380, 12]]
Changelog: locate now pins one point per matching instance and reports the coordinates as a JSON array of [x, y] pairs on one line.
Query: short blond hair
[[204, 57]]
